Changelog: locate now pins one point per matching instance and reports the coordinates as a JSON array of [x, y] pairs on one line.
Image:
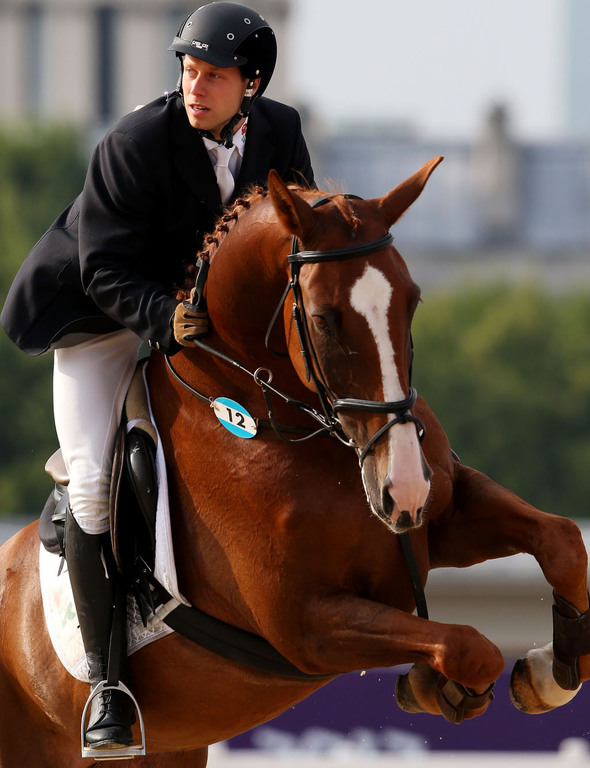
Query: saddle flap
[[137, 409]]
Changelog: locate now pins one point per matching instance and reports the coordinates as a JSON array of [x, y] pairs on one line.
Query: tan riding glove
[[189, 323]]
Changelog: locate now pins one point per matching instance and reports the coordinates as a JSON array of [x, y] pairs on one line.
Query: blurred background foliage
[[41, 170], [506, 367]]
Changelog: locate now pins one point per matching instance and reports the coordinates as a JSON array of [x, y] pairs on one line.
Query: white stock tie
[[225, 179]]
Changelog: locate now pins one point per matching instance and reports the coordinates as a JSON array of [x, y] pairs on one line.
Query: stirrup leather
[[135, 750]]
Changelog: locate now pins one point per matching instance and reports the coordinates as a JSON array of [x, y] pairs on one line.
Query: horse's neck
[[245, 284], [246, 280]]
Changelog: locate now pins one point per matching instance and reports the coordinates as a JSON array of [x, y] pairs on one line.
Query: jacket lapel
[[191, 160], [257, 154]]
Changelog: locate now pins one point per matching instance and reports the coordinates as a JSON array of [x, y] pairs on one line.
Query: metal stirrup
[[135, 750]]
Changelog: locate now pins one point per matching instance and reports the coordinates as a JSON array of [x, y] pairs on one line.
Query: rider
[[102, 279]]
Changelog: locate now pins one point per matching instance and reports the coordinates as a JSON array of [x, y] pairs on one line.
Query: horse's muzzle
[[401, 519], [405, 490], [406, 521], [400, 522]]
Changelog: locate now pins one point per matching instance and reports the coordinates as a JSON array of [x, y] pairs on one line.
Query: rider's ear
[[395, 203], [295, 215]]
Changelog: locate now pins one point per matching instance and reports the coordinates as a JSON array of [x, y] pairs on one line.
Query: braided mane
[[229, 218], [212, 241]]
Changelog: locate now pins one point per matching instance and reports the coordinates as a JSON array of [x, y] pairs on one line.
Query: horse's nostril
[[387, 501]]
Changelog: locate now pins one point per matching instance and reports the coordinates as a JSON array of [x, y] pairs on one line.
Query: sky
[[437, 65]]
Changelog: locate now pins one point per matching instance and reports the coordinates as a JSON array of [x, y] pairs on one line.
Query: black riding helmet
[[229, 35]]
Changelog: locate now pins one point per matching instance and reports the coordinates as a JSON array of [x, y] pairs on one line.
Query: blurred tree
[[42, 169], [507, 371]]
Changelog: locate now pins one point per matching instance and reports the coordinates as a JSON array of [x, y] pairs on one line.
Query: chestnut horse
[[273, 534]]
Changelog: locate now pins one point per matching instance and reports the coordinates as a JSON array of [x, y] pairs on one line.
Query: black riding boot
[[94, 587]]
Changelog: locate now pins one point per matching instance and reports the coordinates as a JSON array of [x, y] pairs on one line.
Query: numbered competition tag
[[234, 418]]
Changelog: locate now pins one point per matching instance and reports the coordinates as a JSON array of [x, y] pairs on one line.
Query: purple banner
[[361, 711]]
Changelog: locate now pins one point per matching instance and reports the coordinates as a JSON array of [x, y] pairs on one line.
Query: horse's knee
[[532, 686], [561, 552]]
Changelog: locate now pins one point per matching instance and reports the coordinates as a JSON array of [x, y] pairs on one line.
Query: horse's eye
[[321, 322], [327, 319]]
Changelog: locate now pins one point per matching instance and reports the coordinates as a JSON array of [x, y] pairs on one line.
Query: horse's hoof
[[532, 687], [417, 691], [522, 693], [404, 695]]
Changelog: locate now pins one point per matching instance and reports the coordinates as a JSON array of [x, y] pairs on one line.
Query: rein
[[325, 427]]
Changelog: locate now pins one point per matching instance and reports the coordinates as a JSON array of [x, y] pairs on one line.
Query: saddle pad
[[62, 622]]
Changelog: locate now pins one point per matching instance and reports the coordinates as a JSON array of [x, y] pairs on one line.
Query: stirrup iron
[[123, 753]]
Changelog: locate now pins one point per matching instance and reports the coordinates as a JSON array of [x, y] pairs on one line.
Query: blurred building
[[577, 64], [497, 179], [91, 61], [492, 192]]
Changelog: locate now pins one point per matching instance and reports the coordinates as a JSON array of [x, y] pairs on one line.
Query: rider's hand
[[188, 323]]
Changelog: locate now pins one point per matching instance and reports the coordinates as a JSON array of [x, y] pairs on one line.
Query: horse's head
[[353, 306]]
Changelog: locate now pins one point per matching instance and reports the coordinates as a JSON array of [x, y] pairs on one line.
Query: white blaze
[[371, 297]]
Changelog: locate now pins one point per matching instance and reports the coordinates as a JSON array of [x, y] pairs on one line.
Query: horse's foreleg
[[490, 522], [347, 633]]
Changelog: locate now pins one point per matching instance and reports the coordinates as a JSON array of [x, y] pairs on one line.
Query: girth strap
[[230, 642]]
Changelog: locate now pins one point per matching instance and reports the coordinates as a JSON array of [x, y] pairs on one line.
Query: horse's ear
[[395, 203], [295, 215]]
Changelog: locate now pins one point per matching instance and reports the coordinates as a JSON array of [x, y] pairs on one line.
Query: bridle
[[330, 405]]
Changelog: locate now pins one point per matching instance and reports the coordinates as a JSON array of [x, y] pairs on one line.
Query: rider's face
[[212, 95]]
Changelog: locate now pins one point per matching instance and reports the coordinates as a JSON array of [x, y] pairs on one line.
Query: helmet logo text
[[200, 46]]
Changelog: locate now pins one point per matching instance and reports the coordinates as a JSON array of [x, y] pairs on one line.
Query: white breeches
[[90, 381]]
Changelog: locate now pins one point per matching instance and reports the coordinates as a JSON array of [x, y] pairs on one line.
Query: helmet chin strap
[[227, 132], [226, 136]]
